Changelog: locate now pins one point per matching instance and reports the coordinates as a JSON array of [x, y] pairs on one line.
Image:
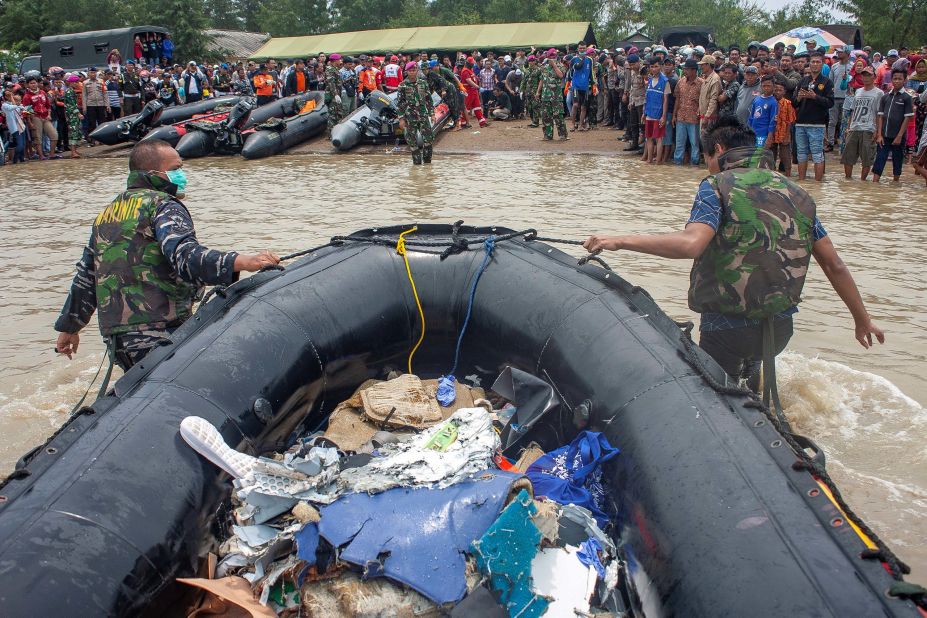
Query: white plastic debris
[[416, 462], [558, 575]]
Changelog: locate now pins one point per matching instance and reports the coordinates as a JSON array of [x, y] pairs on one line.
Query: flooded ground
[[866, 408]]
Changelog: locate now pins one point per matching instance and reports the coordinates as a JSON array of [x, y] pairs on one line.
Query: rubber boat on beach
[[377, 122], [154, 114], [298, 118], [717, 512], [280, 108], [276, 135]]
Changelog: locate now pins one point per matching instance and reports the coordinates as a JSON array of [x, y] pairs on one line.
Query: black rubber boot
[[416, 157], [426, 153]]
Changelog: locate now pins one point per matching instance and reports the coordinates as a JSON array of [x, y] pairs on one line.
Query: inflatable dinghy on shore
[[276, 136], [377, 123], [154, 114], [716, 515]]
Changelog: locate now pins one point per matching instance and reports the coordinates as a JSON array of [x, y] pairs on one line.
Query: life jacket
[[264, 84], [756, 263], [300, 78], [392, 76], [136, 287], [367, 80]]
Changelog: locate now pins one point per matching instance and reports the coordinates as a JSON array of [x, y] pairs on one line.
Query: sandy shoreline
[[508, 136]]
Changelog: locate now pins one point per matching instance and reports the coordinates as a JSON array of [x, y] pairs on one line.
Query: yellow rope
[[401, 250]]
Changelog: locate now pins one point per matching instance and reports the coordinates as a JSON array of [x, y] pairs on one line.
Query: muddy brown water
[[866, 408]]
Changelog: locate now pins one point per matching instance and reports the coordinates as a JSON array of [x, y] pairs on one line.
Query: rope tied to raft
[[401, 250], [447, 392], [895, 567]]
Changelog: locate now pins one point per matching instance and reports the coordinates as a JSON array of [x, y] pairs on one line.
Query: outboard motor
[[383, 121], [228, 134], [135, 128]]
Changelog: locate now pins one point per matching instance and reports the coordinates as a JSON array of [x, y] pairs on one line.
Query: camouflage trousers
[[552, 114], [335, 115], [412, 130], [130, 348], [532, 108], [454, 101]]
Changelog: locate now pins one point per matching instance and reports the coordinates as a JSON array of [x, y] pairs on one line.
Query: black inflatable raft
[[277, 135], [376, 122], [713, 518], [134, 127]]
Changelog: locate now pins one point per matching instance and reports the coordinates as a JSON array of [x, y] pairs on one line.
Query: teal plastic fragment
[[504, 556]]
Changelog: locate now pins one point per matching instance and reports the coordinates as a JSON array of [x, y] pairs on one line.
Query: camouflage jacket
[[436, 83], [529, 83], [452, 80], [755, 266], [414, 100], [551, 85], [333, 83], [143, 264]]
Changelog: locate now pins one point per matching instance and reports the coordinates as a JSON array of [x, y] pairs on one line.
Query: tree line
[[886, 23]]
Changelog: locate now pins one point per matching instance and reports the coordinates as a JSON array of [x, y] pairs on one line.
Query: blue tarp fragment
[[447, 391], [572, 474], [504, 554], [307, 542], [588, 554], [417, 536]]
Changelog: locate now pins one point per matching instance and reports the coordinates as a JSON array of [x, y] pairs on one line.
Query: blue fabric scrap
[[417, 536], [307, 542], [572, 474], [447, 391], [588, 554], [504, 554]]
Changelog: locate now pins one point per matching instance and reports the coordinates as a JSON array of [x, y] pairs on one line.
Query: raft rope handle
[[489, 245], [401, 250]]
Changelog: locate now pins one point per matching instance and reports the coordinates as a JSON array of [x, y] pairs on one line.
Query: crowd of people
[[801, 104]]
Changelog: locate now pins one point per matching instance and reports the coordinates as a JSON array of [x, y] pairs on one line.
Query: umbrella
[[797, 37]]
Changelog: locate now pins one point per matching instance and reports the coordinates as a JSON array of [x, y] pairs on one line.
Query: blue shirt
[[707, 209], [653, 104], [582, 70], [763, 115]]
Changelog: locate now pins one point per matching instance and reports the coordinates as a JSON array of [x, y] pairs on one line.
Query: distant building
[[851, 35], [638, 38], [235, 45]]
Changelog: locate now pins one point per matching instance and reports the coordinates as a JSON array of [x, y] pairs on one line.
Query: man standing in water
[[749, 266], [415, 111], [143, 266]]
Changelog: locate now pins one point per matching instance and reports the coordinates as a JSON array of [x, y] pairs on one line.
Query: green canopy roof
[[433, 38]]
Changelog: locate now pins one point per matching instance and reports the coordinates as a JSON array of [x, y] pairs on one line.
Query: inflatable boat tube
[[711, 515], [197, 143], [117, 131], [371, 123], [174, 132], [288, 132]]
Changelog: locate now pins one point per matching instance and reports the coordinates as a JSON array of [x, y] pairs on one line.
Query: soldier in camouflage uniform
[[530, 88], [550, 93], [143, 266], [752, 233], [415, 113], [333, 87], [454, 95]]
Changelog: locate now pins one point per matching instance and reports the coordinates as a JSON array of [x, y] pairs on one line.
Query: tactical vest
[[756, 263], [135, 285]]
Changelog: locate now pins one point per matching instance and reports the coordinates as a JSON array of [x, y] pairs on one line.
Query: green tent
[[499, 37]]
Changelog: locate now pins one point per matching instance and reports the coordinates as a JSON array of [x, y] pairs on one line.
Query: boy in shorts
[[860, 140]]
